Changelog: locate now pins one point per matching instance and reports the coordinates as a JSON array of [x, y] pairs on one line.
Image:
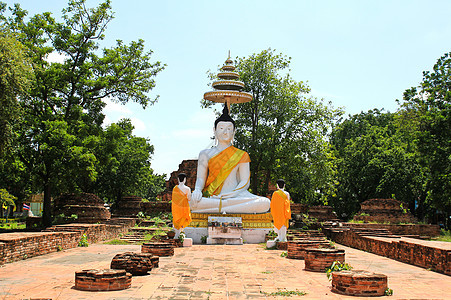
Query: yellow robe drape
[[280, 209], [219, 168], [181, 214]]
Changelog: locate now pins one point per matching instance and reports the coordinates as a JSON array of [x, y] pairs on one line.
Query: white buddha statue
[[223, 176]]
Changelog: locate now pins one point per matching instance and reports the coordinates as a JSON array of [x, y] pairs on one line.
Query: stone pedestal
[[253, 231], [134, 263], [158, 249], [359, 283], [319, 259], [102, 280], [225, 230], [296, 249], [188, 242]]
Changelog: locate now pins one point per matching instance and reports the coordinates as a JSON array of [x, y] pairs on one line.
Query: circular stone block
[[134, 263], [102, 280], [296, 249], [319, 259], [158, 249], [359, 283]]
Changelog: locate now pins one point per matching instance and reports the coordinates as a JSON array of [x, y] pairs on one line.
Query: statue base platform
[[224, 241], [253, 231]]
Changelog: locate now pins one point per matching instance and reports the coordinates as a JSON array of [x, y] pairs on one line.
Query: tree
[[64, 111], [373, 160], [124, 165], [283, 130], [6, 200], [426, 116], [15, 79]]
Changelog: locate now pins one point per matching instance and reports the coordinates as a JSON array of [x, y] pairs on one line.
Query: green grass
[[117, 242], [445, 236], [12, 225], [285, 293]]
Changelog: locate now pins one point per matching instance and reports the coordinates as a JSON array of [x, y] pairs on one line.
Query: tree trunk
[[47, 211], [267, 180]]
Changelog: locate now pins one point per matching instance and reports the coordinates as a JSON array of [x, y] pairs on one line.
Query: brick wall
[[17, 246], [419, 255], [22, 245], [402, 229]]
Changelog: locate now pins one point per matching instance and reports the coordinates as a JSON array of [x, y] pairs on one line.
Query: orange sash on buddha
[[181, 214], [280, 209], [220, 166]]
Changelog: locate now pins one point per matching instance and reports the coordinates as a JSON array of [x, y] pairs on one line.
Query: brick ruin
[[135, 263], [102, 280], [128, 207], [384, 210], [318, 259], [189, 167], [359, 283], [88, 207], [158, 248]]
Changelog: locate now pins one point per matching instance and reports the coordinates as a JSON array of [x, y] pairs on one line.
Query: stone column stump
[[134, 263], [318, 259], [296, 249], [282, 245], [158, 249], [102, 280], [359, 283]]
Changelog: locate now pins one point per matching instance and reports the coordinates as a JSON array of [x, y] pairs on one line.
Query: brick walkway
[[209, 272]]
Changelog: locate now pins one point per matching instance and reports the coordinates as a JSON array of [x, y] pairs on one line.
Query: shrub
[[83, 241], [337, 266]]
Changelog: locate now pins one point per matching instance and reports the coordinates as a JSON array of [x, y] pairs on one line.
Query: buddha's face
[[224, 132]]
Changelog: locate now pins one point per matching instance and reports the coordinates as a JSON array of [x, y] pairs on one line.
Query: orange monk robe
[[181, 214], [220, 166], [280, 209]]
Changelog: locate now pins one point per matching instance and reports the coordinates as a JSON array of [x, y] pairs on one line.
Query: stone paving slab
[[209, 272]]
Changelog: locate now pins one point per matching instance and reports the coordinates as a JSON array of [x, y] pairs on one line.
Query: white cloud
[[112, 107], [55, 57], [138, 124]]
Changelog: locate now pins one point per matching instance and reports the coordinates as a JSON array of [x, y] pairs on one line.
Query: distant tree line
[[52, 139]]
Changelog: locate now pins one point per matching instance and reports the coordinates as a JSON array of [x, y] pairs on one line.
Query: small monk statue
[[223, 176], [181, 214], [280, 210]]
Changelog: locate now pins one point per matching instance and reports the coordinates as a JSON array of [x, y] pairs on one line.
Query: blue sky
[[359, 55]]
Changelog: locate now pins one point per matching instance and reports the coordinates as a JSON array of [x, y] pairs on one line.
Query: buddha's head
[[224, 127]]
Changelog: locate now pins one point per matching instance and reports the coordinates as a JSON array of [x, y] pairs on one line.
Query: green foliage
[[284, 293], [374, 159], [283, 129], [15, 78], [284, 254], [425, 115], [83, 241], [13, 225], [59, 128], [6, 199], [181, 237], [272, 234], [124, 165], [158, 221], [388, 292], [203, 239], [336, 266], [445, 236], [63, 219], [117, 242]]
